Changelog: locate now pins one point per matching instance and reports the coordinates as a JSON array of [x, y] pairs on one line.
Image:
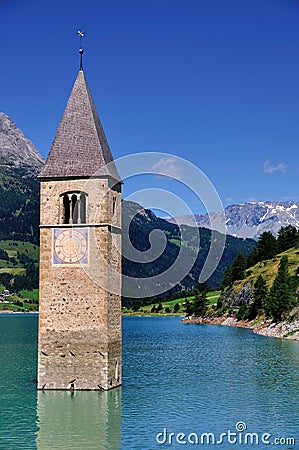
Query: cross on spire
[[81, 34]]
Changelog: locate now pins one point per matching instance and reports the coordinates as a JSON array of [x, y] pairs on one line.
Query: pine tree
[[288, 237], [239, 267], [188, 307], [260, 293], [4, 255], [227, 277], [201, 287], [159, 307], [252, 258], [176, 307], [266, 246], [200, 305], [280, 298]]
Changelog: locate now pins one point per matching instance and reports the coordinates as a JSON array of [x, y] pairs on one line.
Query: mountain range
[[20, 161], [248, 220]]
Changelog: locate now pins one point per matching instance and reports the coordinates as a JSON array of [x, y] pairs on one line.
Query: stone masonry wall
[[80, 305]]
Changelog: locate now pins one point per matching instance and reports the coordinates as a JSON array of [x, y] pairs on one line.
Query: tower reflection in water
[[79, 419]]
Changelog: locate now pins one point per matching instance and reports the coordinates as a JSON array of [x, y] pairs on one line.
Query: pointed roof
[[80, 148]]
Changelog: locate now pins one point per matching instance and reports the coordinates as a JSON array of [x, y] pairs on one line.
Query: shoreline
[[268, 328], [280, 330], [9, 311]]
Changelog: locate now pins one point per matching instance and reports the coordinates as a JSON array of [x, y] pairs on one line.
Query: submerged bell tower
[[79, 335]]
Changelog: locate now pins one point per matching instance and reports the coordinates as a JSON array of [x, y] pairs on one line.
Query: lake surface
[[180, 382]]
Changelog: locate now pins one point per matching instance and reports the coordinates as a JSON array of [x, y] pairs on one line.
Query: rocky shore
[[282, 330]]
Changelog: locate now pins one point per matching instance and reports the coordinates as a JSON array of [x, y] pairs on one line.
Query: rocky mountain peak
[[251, 219], [17, 153]]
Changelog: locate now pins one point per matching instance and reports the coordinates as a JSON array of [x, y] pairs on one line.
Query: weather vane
[[81, 34]]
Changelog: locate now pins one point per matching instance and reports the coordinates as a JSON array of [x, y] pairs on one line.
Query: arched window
[[83, 208], [66, 209], [74, 207]]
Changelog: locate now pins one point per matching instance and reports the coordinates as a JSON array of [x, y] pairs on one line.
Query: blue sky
[[215, 82]]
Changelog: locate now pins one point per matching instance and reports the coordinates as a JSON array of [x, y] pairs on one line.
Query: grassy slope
[[30, 295], [12, 248], [13, 270], [268, 269], [27, 307], [212, 297]]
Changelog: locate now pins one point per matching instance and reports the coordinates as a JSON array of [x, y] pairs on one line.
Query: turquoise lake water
[[180, 382]]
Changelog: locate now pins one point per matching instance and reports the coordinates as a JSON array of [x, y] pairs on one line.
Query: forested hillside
[[19, 208], [145, 221], [267, 282]]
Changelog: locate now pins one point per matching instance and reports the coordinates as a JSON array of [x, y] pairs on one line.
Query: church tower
[[79, 336]]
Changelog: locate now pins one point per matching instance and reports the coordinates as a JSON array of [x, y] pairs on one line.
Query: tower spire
[[83, 150], [81, 34]]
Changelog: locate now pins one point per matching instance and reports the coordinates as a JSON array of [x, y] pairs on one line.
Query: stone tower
[[79, 336]]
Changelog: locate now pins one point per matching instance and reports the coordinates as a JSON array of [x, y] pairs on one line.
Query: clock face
[[70, 246]]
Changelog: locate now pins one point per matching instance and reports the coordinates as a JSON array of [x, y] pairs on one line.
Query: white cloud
[[269, 168], [167, 167]]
